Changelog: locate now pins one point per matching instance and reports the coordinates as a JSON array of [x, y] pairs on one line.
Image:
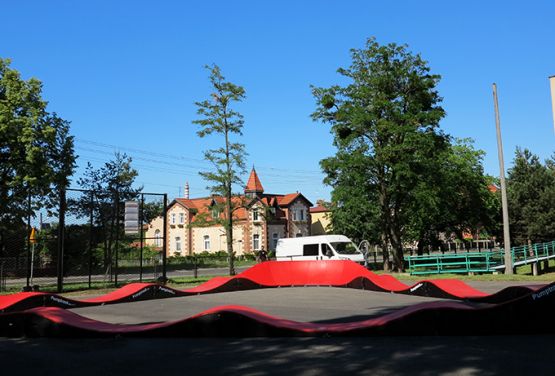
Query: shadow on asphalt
[[491, 355]]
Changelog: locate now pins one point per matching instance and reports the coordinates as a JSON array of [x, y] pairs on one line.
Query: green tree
[[352, 212], [112, 184], [389, 113], [454, 198], [218, 117], [531, 198], [36, 150]]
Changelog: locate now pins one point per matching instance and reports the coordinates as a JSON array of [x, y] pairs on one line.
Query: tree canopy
[[388, 116], [36, 148], [396, 177], [531, 198], [218, 117]]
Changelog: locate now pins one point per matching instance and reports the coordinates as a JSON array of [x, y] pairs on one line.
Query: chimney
[[186, 193]]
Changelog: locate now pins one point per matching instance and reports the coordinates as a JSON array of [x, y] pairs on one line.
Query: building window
[[255, 215], [157, 239], [177, 244], [256, 242], [299, 235], [206, 242], [294, 215], [173, 219], [275, 238], [298, 215], [215, 214], [181, 218]]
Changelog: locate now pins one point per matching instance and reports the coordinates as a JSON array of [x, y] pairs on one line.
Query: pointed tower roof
[[254, 185]]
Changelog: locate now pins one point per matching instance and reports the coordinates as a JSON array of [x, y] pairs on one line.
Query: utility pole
[[552, 84], [506, 233]]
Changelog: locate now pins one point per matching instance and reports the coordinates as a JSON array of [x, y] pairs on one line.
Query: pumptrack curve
[[275, 274], [433, 318]]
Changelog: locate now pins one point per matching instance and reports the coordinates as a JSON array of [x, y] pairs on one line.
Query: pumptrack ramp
[[275, 274], [433, 318]]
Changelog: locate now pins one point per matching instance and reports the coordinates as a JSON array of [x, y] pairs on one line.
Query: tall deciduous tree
[[531, 198], [36, 150], [389, 112], [218, 117], [454, 198]]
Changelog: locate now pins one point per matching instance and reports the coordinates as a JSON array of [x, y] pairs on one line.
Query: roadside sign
[[131, 221], [33, 236]]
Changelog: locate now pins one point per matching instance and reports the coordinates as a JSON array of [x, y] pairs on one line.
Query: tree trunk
[[420, 246], [385, 253], [396, 244], [229, 235]]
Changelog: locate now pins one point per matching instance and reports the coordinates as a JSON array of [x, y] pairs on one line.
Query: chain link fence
[[80, 242]]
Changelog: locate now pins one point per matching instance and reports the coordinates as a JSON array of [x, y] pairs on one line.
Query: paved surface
[[473, 356], [314, 304], [488, 355]]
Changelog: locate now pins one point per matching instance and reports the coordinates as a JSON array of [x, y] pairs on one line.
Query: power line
[[180, 157]]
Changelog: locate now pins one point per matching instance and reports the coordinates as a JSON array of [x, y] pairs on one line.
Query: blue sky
[[126, 74]]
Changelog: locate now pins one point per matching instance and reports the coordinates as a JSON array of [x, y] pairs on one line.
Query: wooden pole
[[506, 233], [552, 84]]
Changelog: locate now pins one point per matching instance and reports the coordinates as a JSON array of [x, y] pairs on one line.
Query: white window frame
[[178, 243], [256, 242], [173, 219], [206, 242], [181, 218], [255, 216], [157, 238]]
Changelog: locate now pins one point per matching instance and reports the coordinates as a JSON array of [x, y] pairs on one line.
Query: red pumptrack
[[275, 274], [434, 318]]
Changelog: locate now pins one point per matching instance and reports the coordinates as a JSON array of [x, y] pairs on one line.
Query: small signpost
[[32, 241], [131, 221]]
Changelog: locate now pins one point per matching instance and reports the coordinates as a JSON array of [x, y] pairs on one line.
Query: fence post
[[91, 224], [117, 240], [28, 242], [195, 267], [165, 243], [141, 232], [61, 234]]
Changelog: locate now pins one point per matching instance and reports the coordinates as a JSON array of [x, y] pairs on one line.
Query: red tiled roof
[[319, 209], [287, 199], [254, 184], [492, 188], [202, 206]]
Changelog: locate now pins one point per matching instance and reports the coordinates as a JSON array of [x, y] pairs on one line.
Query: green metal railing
[[479, 262]]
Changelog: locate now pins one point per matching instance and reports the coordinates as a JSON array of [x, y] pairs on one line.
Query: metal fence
[[80, 242]]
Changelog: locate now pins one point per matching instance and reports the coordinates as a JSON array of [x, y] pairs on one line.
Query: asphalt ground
[[427, 355], [309, 304]]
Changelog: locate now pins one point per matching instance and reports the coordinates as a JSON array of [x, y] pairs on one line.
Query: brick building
[[260, 220]]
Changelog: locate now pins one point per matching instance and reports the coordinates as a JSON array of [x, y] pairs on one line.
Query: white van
[[321, 247]]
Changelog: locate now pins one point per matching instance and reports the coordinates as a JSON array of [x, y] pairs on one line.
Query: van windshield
[[345, 248]]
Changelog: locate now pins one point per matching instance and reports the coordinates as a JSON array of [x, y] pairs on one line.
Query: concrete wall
[[320, 223], [218, 241], [277, 229], [157, 224], [178, 229]]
